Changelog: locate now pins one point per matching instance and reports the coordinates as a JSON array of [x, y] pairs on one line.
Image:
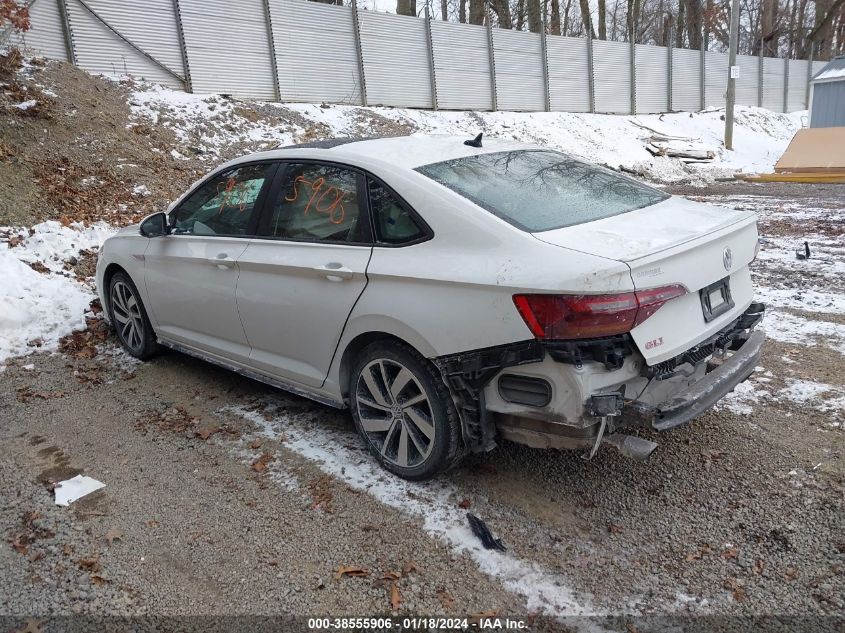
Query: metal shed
[[827, 95]]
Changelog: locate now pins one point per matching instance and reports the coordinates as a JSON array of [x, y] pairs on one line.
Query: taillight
[[587, 316]]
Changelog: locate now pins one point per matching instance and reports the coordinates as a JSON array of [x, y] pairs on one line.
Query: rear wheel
[[130, 318], [404, 412]]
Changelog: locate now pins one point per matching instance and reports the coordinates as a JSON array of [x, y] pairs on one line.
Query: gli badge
[[728, 258], [655, 343]]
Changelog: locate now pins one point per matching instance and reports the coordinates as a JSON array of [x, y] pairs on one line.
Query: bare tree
[[476, 11], [585, 16], [602, 10], [554, 25], [406, 7]]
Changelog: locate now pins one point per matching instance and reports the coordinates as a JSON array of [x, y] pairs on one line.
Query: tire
[[404, 412], [129, 318]]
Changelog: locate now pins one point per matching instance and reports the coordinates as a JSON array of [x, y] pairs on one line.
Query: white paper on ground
[[70, 490]]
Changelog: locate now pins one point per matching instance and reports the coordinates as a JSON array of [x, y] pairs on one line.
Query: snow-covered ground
[[337, 454], [212, 123], [38, 307]]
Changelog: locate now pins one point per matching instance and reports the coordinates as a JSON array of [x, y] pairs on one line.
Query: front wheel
[[404, 412], [130, 318]]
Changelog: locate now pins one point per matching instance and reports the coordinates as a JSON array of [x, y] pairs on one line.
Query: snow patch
[[430, 502], [742, 399], [52, 244], [789, 328], [209, 123], [37, 307]]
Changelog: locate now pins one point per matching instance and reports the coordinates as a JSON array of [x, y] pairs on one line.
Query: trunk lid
[[676, 241]]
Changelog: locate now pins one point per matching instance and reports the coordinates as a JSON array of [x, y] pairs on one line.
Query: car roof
[[400, 151]]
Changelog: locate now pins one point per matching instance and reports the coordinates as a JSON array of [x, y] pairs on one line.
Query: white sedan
[[450, 292]]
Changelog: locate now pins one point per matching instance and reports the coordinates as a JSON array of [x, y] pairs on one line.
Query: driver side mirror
[[155, 225]]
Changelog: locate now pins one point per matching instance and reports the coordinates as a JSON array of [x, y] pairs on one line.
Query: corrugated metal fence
[[294, 50]]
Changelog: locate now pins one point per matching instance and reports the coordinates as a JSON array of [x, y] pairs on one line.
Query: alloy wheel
[[127, 315], [395, 413]]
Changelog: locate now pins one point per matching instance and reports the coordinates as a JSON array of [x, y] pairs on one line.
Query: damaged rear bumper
[[703, 394]]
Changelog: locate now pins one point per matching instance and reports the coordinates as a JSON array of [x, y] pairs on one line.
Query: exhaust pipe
[[631, 446]]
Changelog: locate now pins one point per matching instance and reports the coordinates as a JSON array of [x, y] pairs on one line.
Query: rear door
[[191, 274], [301, 277]]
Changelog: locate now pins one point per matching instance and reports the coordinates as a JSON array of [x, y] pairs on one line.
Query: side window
[[318, 203], [393, 221], [223, 205]]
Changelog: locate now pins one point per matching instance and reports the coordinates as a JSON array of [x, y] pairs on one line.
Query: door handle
[[334, 272], [222, 261]]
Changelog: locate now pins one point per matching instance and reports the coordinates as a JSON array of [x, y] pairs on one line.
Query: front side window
[[318, 203], [394, 222], [224, 205], [540, 190]]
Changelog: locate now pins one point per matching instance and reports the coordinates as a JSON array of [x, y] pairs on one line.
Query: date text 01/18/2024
[[418, 624]]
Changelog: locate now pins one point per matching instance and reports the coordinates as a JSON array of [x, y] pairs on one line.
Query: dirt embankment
[[70, 148]]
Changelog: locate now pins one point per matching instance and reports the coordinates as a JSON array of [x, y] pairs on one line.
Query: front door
[[303, 274], [191, 274]]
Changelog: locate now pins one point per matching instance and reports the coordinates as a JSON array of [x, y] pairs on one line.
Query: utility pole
[[730, 96]]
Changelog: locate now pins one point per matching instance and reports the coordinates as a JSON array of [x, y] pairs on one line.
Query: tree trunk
[[602, 9], [535, 16], [406, 7], [564, 30], [694, 23], [585, 16], [769, 30], [681, 22], [462, 11], [476, 11], [503, 13], [444, 10], [822, 33], [554, 18]]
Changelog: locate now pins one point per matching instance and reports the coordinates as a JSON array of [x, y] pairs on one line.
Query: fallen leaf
[[207, 432], [152, 523], [731, 552], [391, 575], [395, 598], [345, 570], [19, 544], [791, 574], [475, 617], [445, 599], [369, 527], [759, 566], [114, 535], [256, 444], [260, 464], [614, 529], [408, 567], [92, 563], [98, 580], [737, 589], [464, 504]]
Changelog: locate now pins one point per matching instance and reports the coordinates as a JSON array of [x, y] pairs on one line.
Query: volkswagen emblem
[[728, 258]]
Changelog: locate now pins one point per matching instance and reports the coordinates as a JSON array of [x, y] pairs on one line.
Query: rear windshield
[[540, 190]]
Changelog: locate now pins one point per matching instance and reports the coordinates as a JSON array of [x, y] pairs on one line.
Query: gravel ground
[[224, 496]]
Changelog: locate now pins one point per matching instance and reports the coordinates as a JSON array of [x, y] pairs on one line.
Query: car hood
[[645, 231]]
